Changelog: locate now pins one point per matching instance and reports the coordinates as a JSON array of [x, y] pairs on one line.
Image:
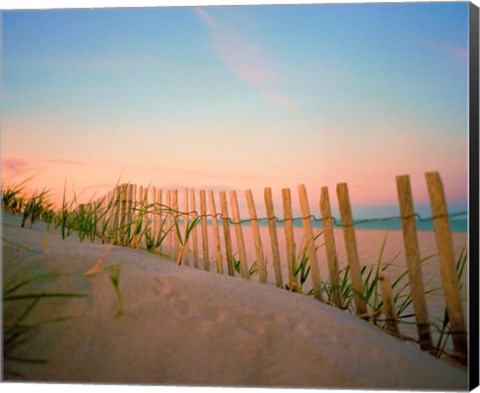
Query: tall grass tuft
[[183, 238], [115, 280], [37, 207], [20, 296]]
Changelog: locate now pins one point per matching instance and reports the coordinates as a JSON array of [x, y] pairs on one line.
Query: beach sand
[[185, 326]]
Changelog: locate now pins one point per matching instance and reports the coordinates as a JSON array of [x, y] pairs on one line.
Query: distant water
[[456, 225]]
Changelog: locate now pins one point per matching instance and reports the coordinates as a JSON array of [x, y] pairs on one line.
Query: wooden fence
[[155, 219]]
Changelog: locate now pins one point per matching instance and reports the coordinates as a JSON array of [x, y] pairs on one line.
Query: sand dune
[[183, 326]]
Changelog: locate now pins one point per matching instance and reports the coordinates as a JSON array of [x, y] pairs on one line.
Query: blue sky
[[240, 97]]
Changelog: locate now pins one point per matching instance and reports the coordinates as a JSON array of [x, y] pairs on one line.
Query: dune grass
[[102, 220], [21, 297]]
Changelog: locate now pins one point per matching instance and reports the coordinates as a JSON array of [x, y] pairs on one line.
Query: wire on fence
[[336, 222]]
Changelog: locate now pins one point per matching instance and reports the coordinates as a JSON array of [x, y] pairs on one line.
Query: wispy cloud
[[15, 166], [244, 58], [454, 51]]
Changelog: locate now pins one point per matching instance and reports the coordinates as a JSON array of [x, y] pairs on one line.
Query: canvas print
[[248, 196]]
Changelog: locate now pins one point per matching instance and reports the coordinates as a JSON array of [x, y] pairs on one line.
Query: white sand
[[183, 326], [369, 243]]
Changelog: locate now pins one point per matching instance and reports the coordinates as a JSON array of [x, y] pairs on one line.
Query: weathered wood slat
[[310, 243], [256, 237], [351, 246], [159, 217], [226, 233], [412, 253], [145, 218], [169, 223], [446, 255], [176, 218], [193, 216], [204, 225], [272, 228], [330, 247], [239, 235], [216, 235], [185, 218], [289, 237]]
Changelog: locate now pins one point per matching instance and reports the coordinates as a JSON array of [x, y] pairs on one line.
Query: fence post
[[194, 215], [203, 214], [289, 237], [226, 232], [145, 223], [412, 253], [351, 246], [272, 228], [330, 247], [99, 216], [138, 218], [216, 236], [443, 236], [154, 225], [133, 212], [124, 213], [128, 214], [256, 237], [158, 217], [239, 235], [176, 240], [108, 216], [116, 216], [310, 243], [388, 303], [186, 253], [169, 224]]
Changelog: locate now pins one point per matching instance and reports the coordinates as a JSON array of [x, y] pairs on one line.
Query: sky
[[239, 97]]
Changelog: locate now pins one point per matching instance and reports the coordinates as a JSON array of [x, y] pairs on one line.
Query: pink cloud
[[455, 51], [245, 59], [15, 166], [64, 161]]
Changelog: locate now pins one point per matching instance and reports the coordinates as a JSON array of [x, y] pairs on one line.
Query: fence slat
[[169, 224], [176, 240], [130, 207], [145, 221], [310, 243], [289, 237], [103, 218], [123, 212], [193, 216], [216, 236], [109, 215], [446, 255], [330, 247], [185, 217], [138, 217], [154, 210], [204, 224], [239, 235], [116, 217], [159, 218], [133, 216], [388, 304], [412, 253], [351, 246], [226, 232], [272, 228], [256, 237]]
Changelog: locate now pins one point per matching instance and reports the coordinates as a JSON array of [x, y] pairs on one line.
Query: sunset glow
[[239, 98]]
